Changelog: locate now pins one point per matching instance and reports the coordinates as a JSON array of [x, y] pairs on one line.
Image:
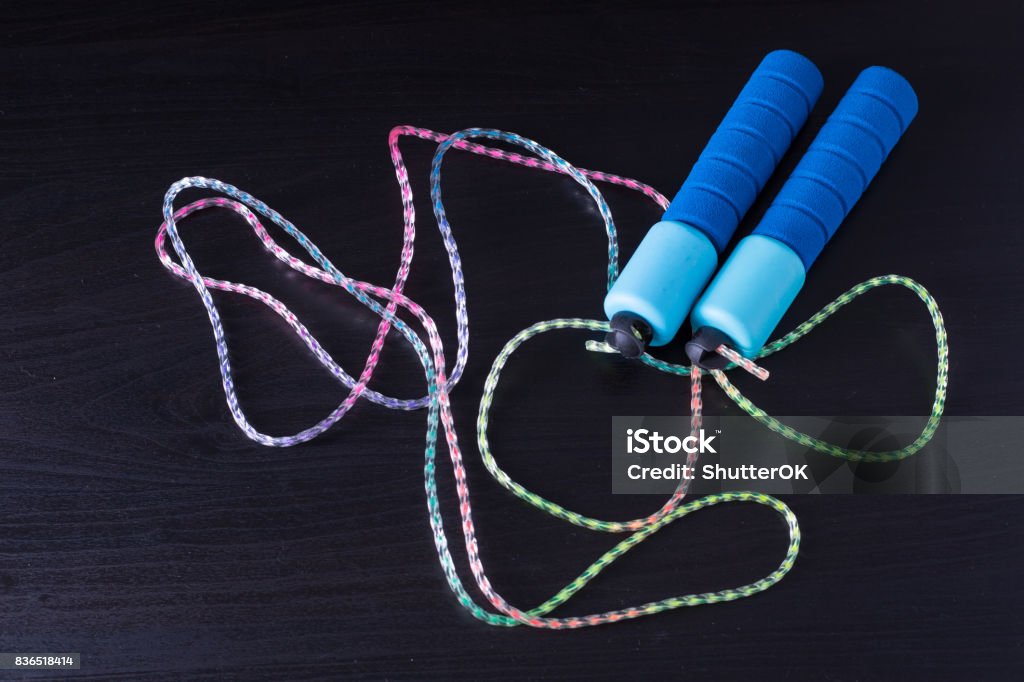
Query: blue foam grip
[[747, 146], [841, 162]]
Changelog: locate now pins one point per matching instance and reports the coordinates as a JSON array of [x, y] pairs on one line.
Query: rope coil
[[440, 383]]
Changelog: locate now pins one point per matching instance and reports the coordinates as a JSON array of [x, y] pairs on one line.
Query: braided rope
[[740, 361], [941, 376], [439, 383]]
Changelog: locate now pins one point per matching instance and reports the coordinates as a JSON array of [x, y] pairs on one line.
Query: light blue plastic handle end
[[751, 294], [664, 277]]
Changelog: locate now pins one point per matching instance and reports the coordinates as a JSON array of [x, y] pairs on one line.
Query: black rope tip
[[702, 349], [629, 335]]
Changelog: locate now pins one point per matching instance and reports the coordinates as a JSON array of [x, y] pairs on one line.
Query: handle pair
[[656, 290], [750, 294], [671, 267]]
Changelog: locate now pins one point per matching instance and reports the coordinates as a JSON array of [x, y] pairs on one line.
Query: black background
[[140, 528]]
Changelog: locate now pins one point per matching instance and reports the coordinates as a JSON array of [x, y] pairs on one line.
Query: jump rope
[[646, 305]]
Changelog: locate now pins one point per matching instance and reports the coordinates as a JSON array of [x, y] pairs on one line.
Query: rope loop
[[385, 302]]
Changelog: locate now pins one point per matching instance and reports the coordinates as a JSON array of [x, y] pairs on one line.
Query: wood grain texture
[[141, 529]]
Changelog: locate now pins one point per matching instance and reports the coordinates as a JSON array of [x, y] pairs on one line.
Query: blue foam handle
[[841, 162], [747, 146]]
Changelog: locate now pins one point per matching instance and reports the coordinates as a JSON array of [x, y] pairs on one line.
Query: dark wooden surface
[[141, 529]]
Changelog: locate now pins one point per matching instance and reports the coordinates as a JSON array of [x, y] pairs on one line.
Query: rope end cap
[[629, 335], [702, 349]]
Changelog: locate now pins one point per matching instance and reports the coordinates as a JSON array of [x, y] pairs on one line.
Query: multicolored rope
[[941, 376], [740, 361], [439, 383]]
